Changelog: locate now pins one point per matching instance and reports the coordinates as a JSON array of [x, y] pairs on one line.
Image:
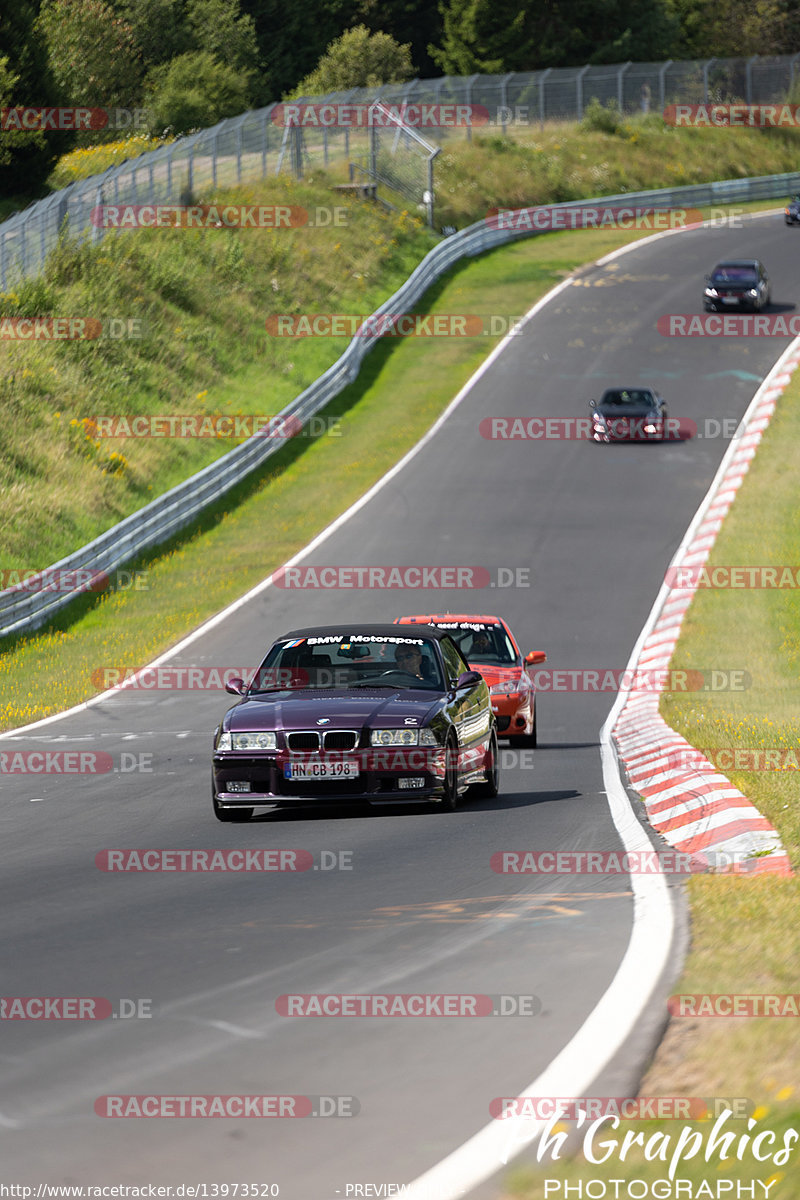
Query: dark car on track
[[740, 283], [791, 213], [629, 415], [353, 712]]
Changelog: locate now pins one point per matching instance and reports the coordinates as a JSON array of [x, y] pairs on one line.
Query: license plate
[[318, 769], [730, 299]]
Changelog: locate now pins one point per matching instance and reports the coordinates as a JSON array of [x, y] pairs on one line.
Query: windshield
[[350, 660], [734, 275], [482, 643], [635, 396]]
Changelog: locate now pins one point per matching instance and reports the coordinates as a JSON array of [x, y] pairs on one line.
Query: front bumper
[[633, 429], [381, 772], [513, 717]]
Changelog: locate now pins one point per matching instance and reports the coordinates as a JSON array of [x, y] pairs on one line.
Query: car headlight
[[710, 291], [394, 737], [224, 742], [505, 689], [254, 741]]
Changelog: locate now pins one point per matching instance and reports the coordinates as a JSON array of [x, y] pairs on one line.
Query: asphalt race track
[[419, 910]]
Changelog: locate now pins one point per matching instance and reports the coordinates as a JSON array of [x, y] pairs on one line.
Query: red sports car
[[489, 646]]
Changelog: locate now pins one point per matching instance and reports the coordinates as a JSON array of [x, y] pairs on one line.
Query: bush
[[194, 91], [598, 119]]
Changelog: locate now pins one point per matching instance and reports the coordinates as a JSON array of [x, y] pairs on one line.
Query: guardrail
[[25, 610]]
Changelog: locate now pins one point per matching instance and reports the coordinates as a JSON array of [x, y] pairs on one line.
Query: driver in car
[[409, 658]]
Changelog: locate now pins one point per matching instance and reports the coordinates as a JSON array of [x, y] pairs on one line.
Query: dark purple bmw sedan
[[349, 712]]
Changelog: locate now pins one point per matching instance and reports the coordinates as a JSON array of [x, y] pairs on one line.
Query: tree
[[92, 53], [358, 59], [482, 37], [194, 91], [26, 159], [494, 38], [218, 27], [159, 29]]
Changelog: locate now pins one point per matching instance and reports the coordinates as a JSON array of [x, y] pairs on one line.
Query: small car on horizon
[[737, 283], [489, 646], [356, 712], [635, 414]]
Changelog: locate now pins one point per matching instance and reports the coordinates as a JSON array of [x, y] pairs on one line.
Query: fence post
[[620, 78], [264, 140], [662, 86], [239, 153], [748, 75], [214, 159], [792, 65], [579, 91], [706, 68], [469, 84], [541, 96], [504, 96]]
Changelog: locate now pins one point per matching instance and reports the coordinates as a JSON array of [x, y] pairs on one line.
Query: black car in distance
[[741, 283]]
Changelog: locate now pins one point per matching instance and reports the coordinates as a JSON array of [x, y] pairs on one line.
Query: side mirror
[[592, 404], [535, 656], [468, 679], [235, 686]]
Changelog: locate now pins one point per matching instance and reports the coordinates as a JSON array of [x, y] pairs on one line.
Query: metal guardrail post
[[662, 84], [620, 84], [748, 76], [542, 79], [579, 92], [469, 83], [504, 97]]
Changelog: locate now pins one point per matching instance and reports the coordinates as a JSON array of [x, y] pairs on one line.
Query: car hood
[[340, 709], [494, 674], [635, 412]]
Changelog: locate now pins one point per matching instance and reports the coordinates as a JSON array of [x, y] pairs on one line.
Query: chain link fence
[[321, 131]]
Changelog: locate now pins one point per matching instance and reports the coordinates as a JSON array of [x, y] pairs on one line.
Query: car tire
[[491, 784], [236, 816], [448, 801]]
